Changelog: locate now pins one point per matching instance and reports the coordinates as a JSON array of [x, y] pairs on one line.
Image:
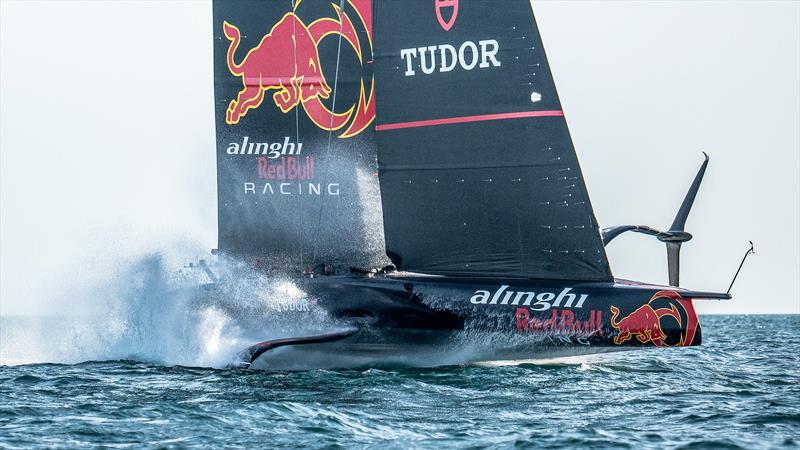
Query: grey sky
[[107, 144]]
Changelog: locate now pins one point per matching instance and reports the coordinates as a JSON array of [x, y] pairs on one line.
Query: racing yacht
[[405, 166]]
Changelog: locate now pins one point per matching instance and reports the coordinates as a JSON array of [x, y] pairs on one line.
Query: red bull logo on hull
[[287, 61], [646, 324]]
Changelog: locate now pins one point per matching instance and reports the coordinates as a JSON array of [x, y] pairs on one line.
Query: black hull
[[418, 349], [423, 321]]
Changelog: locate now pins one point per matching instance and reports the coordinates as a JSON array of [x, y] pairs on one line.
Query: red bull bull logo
[[645, 323], [286, 62], [297, 79]]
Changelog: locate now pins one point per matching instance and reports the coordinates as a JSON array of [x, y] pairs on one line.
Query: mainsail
[[478, 173], [295, 105]]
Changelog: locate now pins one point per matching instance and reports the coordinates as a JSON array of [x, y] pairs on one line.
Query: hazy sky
[[107, 137]]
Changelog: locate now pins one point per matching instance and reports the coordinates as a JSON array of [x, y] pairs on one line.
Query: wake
[[152, 313]]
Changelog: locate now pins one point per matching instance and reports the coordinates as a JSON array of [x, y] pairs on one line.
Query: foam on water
[[147, 312]]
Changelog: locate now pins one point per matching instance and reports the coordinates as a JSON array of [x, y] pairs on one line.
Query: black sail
[[478, 173], [297, 184]]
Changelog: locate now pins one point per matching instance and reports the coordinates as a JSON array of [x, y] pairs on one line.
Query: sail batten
[[478, 173]]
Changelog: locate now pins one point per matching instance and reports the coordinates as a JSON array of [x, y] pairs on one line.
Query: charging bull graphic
[[287, 61], [646, 322], [298, 78]]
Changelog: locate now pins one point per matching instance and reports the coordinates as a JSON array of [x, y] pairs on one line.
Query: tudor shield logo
[[446, 8]]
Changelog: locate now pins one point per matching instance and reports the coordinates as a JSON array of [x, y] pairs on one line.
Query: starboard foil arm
[[250, 354], [675, 236]]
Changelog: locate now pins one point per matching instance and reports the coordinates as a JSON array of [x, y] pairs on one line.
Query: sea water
[[148, 372], [741, 389]]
